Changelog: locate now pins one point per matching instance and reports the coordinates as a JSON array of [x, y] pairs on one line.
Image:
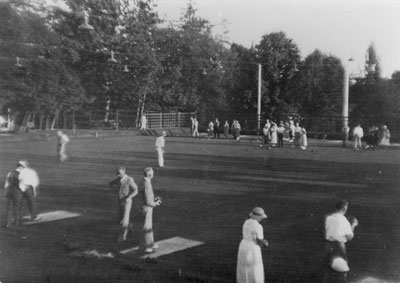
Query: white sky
[[343, 28]]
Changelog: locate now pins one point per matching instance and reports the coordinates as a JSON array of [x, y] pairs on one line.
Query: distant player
[[160, 145], [358, 134], [62, 140]]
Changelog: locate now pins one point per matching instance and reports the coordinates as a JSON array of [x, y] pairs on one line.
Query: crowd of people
[[293, 132], [22, 183], [374, 137]]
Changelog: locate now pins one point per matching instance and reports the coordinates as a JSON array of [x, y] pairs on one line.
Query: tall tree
[[279, 57], [37, 82], [317, 87], [372, 66]]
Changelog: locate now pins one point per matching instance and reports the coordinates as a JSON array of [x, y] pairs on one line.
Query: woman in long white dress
[[385, 136], [303, 138], [250, 267], [274, 134]]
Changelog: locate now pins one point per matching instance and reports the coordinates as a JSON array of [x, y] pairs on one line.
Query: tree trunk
[[55, 119]]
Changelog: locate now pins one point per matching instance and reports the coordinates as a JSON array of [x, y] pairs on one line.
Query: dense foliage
[[119, 51]]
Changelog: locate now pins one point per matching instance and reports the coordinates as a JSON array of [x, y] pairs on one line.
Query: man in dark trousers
[[338, 231], [216, 128], [13, 196]]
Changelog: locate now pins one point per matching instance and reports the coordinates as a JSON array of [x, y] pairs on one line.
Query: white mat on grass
[[373, 280], [51, 216], [167, 246]]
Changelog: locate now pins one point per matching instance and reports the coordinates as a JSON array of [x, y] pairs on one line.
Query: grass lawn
[[208, 188]]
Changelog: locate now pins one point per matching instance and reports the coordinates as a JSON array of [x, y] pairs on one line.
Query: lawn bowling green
[[208, 188]]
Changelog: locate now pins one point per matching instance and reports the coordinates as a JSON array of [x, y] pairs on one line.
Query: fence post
[[117, 120], [161, 117], [178, 119]]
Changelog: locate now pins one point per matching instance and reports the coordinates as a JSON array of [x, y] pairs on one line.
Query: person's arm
[[7, 182], [149, 196], [114, 181], [259, 236], [262, 242], [134, 187]]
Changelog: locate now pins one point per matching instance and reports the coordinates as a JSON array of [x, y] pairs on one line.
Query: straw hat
[[258, 212]]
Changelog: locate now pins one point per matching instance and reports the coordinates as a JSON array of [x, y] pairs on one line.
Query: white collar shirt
[[28, 177], [337, 228], [160, 142]]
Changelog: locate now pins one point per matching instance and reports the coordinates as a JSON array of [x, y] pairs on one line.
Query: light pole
[[345, 108], [259, 98]]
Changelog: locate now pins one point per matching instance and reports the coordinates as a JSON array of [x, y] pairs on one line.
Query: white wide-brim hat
[[258, 212]]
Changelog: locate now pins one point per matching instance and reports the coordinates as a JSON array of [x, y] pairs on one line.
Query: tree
[[318, 85], [243, 91], [372, 66], [38, 83], [279, 57]]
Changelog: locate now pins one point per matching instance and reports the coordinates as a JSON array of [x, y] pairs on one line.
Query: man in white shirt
[[338, 231], [160, 144], [358, 133], [62, 140], [28, 183]]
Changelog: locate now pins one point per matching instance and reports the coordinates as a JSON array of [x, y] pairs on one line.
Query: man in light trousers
[[149, 203], [160, 143]]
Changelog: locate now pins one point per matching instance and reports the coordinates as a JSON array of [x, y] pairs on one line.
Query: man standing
[[195, 128], [149, 203], [281, 131], [216, 128], [28, 183], [358, 133], [160, 144], [127, 189], [62, 140], [297, 135], [13, 196], [266, 133], [338, 231], [143, 123]]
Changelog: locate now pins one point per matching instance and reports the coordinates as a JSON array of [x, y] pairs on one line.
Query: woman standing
[[385, 136], [274, 135], [226, 129], [303, 139], [250, 267]]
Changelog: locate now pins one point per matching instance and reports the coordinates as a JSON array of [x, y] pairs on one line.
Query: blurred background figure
[[62, 140], [143, 123], [384, 136]]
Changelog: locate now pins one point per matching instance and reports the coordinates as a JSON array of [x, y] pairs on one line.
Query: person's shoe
[[149, 250], [37, 218], [155, 247]]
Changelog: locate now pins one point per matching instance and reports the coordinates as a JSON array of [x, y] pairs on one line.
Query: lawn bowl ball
[[158, 199]]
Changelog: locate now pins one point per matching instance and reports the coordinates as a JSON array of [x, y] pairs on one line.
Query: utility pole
[[259, 98], [345, 107]]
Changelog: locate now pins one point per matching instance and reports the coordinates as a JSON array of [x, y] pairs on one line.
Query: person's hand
[[265, 243], [353, 221]]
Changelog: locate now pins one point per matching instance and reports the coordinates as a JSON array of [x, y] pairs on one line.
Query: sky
[[342, 28]]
